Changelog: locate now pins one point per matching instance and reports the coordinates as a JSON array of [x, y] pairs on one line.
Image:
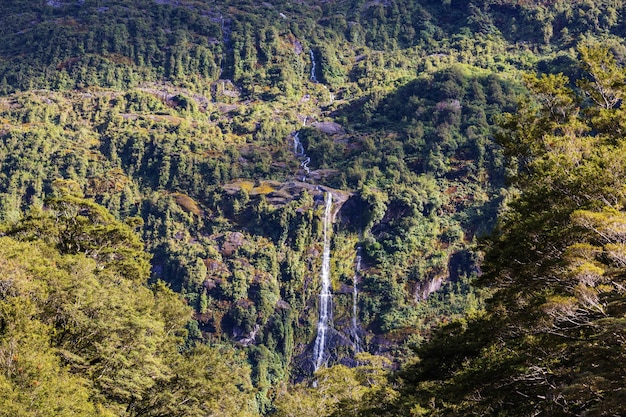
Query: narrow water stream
[[298, 149], [324, 323], [313, 65]]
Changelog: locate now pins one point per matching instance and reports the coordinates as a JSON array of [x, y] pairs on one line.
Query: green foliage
[[554, 264], [76, 225], [340, 391], [82, 334], [178, 117]]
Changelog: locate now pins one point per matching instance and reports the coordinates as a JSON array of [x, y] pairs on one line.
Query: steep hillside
[[551, 339], [224, 126]]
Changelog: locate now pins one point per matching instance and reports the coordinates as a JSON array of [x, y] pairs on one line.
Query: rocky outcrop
[[428, 286], [330, 128], [280, 193]]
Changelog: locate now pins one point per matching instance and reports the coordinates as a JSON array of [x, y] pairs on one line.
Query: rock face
[[460, 264], [330, 128], [280, 193], [352, 213], [428, 286], [231, 243]]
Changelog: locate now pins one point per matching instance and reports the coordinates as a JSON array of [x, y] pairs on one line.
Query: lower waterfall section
[[325, 306]]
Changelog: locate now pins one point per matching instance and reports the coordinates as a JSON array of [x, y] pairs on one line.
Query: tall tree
[[554, 328]]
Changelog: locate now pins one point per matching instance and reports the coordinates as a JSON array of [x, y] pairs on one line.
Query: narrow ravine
[[325, 308]]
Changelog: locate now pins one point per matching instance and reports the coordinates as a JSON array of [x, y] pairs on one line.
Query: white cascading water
[[298, 149], [355, 296], [323, 325], [312, 55]]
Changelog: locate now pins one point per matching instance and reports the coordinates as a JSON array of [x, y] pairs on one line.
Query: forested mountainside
[[321, 208]]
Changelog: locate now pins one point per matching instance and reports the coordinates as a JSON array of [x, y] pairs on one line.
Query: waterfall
[[305, 165], [325, 307], [298, 149], [355, 295], [313, 77]]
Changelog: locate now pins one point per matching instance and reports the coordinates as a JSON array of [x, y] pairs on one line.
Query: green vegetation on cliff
[[81, 332], [177, 119], [551, 338]]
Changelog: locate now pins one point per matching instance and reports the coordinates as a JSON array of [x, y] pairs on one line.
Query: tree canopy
[[552, 333]]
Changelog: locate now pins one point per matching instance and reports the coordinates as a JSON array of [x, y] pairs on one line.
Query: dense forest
[[182, 180]]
